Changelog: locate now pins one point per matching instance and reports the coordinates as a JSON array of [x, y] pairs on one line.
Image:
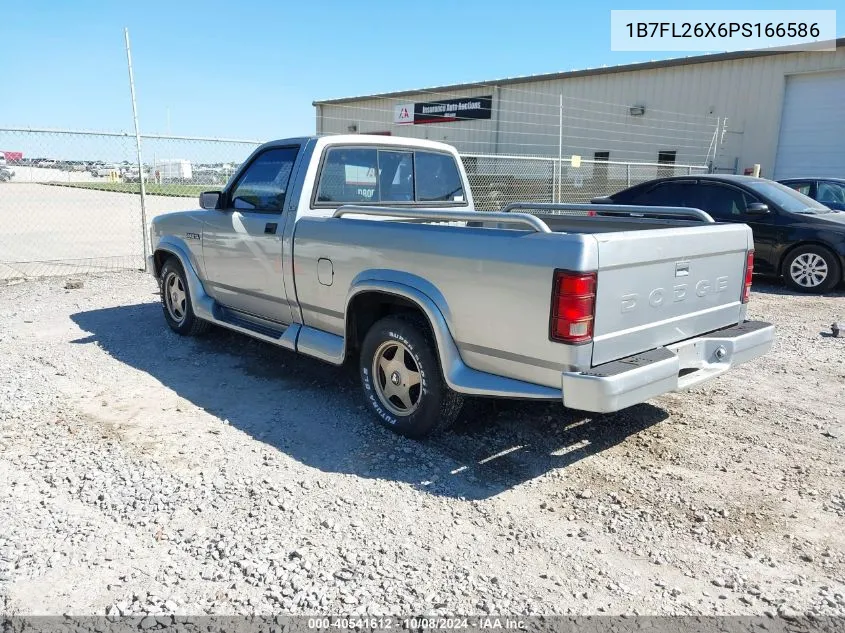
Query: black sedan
[[794, 236], [829, 191]]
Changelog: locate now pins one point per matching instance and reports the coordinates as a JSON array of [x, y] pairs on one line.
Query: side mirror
[[757, 208], [209, 199]]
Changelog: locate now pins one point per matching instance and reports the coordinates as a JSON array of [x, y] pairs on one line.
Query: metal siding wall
[[749, 92], [376, 115]]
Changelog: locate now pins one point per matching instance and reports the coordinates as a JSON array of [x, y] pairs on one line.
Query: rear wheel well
[[367, 308]]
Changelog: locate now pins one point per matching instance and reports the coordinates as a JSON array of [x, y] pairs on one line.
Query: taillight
[[749, 271], [573, 306]]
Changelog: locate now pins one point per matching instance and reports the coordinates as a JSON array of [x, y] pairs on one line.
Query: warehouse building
[[784, 111]]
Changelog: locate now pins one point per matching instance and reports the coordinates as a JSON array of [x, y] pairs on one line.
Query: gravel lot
[[146, 473]]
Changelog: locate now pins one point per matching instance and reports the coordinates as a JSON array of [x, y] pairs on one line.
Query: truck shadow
[[314, 413]]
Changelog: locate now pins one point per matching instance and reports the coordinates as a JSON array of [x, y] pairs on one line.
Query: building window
[[666, 163], [600, 168]]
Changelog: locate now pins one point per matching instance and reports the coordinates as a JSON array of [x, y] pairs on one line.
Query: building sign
[[444, 111], [403, 113]]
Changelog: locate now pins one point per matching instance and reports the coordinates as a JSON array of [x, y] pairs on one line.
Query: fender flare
[[447, 351], [202, 304], [458, 376]]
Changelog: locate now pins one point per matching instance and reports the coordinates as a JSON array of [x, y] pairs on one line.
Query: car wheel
[[176, 301], [402, 380], [811, 269]]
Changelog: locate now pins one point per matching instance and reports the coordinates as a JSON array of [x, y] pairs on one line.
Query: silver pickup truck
[[369, 248]]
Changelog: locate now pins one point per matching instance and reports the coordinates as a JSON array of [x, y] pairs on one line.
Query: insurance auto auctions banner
[[443, 111]]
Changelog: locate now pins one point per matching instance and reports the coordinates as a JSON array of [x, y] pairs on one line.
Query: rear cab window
[[388, 175]]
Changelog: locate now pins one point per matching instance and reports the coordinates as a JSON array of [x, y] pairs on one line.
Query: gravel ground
[[147, 473]]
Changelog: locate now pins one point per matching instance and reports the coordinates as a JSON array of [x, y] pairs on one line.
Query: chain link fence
[[497, 180], [70, 200], [537, 119]]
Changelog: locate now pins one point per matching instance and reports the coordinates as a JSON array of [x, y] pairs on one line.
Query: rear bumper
[[622, 383]]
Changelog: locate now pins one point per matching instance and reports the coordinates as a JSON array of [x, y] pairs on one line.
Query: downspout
[[497, 95]]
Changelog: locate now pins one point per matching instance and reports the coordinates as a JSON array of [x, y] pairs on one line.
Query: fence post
[[689, 170], [138, 149], [559, 153], [628, 174]]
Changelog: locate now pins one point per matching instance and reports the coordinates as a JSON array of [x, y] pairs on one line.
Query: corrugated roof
[[624, 68]]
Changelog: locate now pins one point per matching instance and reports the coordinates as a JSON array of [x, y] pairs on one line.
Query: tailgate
[[657, 287]]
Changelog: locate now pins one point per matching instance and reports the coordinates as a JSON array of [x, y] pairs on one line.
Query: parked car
[[330, 246], [795, 237], [104, 171], [829, 191], [208, 176], [6, 174], [133, 175]]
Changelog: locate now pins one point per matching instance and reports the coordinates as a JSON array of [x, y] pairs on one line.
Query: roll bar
[[436, 215], [614, 209]]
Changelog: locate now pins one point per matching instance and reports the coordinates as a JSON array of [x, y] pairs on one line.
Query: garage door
[[812, 127]]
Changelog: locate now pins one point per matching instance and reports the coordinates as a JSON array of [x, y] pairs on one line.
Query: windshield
[[786, 198]]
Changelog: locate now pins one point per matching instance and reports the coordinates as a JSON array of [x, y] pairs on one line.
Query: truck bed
[[659, 281]]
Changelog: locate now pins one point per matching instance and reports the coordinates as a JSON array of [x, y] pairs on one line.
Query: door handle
[[270, 228]]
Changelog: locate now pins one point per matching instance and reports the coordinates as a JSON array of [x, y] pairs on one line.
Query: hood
[[834, 220]]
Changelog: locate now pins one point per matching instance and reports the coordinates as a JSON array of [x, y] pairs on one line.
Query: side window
[[438, 178], [665, 194], [264, 183], [800, 187], [831, 193], [723, 203], [349, 175]]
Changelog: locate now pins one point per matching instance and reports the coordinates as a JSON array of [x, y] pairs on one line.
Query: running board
[[275, 333]]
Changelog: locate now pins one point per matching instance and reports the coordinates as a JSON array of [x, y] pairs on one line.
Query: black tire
[[181, 319], [433, 406], [811, 269]]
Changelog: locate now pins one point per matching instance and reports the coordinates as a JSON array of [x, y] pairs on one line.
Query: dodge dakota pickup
[[369, 248]]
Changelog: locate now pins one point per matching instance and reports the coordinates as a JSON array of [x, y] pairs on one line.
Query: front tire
[[176, 301], [811, 269], [402, 380]]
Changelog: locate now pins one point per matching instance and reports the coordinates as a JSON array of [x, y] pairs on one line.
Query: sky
[[251, 69]]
